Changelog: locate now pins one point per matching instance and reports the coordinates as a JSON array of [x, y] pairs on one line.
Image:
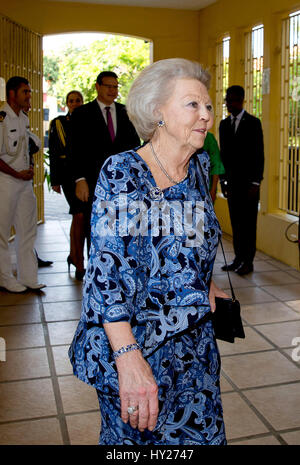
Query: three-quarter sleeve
[[112, 277]]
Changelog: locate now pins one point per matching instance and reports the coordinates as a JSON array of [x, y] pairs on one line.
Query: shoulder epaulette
[[2, 116]]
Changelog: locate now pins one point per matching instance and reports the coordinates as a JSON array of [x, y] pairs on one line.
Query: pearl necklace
[[163, 169]]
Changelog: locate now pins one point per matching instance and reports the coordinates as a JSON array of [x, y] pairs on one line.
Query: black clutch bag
[[226, 318]]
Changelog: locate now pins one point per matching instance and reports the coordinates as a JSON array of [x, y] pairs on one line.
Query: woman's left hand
[[215, 291]]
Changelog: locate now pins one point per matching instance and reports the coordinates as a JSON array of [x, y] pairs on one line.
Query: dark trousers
[[243, 210]]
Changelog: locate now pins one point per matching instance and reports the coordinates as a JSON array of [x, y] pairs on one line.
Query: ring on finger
[[131, 410]]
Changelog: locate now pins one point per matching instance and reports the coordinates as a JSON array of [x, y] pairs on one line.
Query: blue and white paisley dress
[[160, 284]]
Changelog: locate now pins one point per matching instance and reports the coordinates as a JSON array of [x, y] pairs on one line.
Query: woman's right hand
[[82, 190], [137, 388]]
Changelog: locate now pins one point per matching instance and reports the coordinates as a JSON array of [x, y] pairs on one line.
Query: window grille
[[289, 176], [222, 78], [254, 62]]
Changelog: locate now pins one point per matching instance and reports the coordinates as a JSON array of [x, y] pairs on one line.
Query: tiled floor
[[41, 402]]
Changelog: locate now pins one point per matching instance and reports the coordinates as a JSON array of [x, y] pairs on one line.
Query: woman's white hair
[[153, 87]]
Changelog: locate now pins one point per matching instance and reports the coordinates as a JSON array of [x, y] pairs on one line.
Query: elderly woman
[[145, 339]]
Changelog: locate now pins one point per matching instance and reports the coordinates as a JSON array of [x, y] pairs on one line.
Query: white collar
[[6, 107], [239, 116], [103, 106]]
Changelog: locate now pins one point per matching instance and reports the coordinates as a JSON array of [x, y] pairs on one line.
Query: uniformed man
[[18, 202]]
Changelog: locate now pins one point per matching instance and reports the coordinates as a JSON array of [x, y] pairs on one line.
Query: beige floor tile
[[57, 267], [251, 295], [26, 399], [58, 311], [284, 292], [84, 429], [58, 256], [294, 273], [271, 278], [25, 364], [61, 360], [225, 385], [59, 279], [263, 441], [252, 342], [240, 420], [264, 265], [77, 396], [280, 405], [228, 254], [278, 264], [281, 334], [62, 332], [261, 256], [294, 304], [31, 433], [18, 314], [221, 280], [260, 369], [292, 438], [53, 225], [25, 298], [62, 293], [22, 336], [44, 242], [267, 312], [53, 247]]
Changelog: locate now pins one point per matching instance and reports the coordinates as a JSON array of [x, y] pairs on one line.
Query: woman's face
[[74, 101], [188, 113]]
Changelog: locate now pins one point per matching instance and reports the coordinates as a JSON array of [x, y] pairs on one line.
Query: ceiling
[[179, 4]]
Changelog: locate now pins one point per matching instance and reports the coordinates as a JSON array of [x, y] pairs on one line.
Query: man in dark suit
[[242, 153], [98, 129]]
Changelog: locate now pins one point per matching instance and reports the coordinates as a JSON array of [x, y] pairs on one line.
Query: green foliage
[[47, 169], [78, 67], [51, 70]]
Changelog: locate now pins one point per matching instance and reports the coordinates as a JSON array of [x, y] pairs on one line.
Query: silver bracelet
[[125, 349]]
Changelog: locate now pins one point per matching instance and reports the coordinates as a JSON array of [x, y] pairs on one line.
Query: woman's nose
[[204, 113]]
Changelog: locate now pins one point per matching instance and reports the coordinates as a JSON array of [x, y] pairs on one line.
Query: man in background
[[242, 154], [99, 129]]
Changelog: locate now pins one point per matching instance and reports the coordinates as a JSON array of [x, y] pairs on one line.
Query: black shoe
[[231, 266], [79, 275], [43, 263], [70, 262], [245, 268]]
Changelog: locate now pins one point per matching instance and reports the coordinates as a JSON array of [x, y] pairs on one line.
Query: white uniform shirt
[[14, 139]]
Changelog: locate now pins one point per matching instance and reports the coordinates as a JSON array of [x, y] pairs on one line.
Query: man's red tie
[[110, 123]]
